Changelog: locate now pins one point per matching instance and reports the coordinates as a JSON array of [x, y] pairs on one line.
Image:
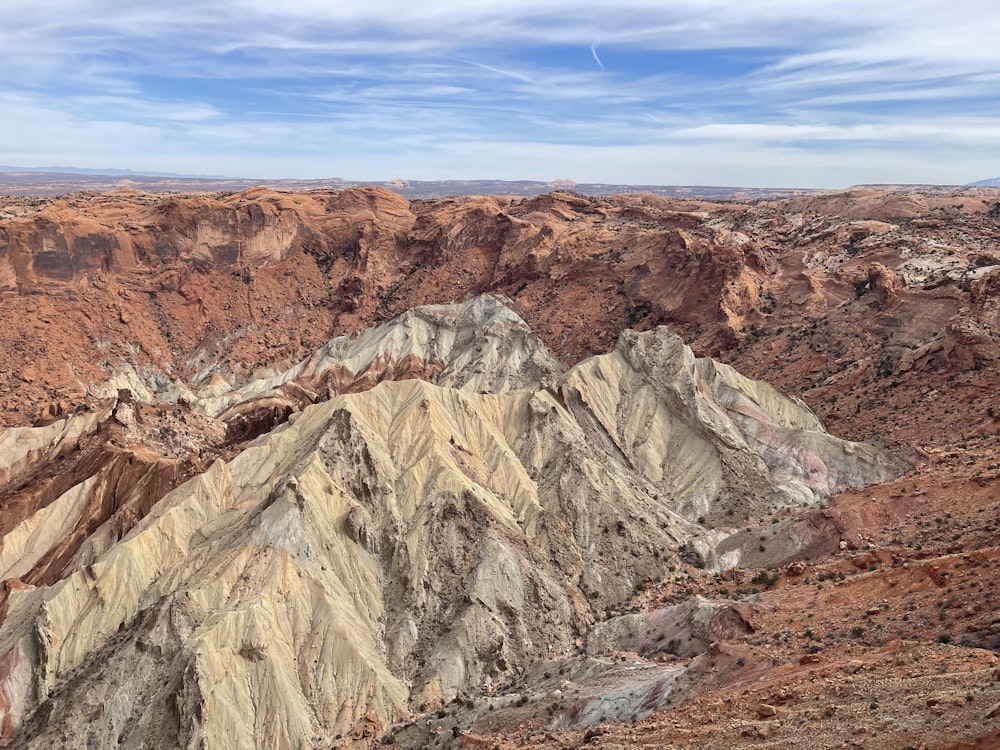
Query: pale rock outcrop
[[405, 544], [479, 345], [713, 441], [23, 447], [685, 629]]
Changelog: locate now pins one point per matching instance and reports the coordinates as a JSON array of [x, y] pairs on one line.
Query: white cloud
[[783, 87], [956, 132], [593, 53]]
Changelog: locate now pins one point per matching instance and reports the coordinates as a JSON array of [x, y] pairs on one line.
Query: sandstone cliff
[[247, 285]]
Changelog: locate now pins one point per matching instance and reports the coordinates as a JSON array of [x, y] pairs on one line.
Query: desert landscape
[[343, 468]]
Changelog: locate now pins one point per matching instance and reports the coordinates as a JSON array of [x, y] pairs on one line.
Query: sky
[[757, 93]]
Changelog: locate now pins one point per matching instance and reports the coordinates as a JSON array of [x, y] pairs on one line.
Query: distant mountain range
[[51, 181], [6, 169]]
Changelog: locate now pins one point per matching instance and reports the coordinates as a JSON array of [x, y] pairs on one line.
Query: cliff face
[[390, 548], [251, 283]]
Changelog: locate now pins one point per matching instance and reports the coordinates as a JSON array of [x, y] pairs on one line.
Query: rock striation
[[454, 507], [479, 345]]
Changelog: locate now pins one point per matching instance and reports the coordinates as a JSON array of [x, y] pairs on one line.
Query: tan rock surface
[[395, 547]]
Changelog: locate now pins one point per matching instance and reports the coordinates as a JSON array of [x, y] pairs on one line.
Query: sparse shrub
[[323, 262], [766, 578], [638, 312]]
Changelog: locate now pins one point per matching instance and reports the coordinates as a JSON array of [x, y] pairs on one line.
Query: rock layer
[[246, 285]]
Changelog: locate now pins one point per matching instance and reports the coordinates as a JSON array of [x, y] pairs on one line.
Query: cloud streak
[[593, 52], [313, 88]]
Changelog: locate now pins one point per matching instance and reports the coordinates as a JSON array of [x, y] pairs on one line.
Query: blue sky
[[754, 93]]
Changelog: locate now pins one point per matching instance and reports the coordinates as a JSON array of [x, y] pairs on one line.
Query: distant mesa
[[55, 181], [991, 182]]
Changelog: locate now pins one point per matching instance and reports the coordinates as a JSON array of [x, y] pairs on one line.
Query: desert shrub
[[766, 578]]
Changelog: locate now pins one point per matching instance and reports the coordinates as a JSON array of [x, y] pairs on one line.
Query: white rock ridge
[[395, 547]]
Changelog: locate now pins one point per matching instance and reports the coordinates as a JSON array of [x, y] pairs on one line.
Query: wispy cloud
[[593, 52], [824, 90]]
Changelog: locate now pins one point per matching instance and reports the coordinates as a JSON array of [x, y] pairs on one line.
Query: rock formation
[[311, 470], [396, 546], [249, 284]]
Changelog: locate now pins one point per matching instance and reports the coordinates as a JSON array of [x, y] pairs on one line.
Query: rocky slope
[[846, 287], [216, 411], [888, 641], [392, 548]]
